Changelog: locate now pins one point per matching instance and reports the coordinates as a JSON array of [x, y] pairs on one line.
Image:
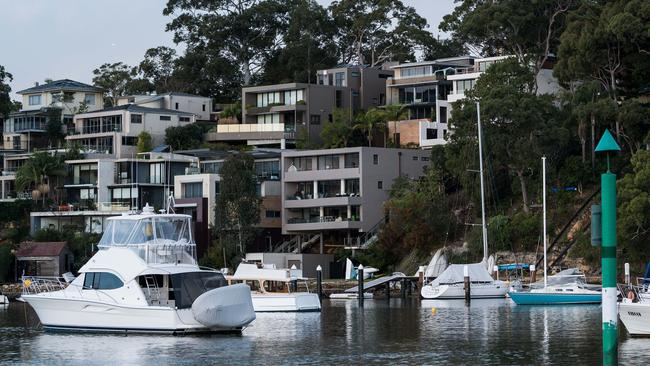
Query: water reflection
[[383, 332]]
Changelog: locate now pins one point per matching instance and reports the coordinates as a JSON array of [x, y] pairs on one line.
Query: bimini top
[[454, 274], [157, 239]]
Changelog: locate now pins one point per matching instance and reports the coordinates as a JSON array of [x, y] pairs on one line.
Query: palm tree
[[37, 173], [370, 121]]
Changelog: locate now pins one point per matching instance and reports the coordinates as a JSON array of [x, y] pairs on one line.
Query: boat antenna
[[544, 214], [480, 160]]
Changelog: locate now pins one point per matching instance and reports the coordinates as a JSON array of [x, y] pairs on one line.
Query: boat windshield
[[157, 240], [153, 230]]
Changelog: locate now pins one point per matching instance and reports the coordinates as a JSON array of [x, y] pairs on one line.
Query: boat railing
[[33, 285], [633, 293]]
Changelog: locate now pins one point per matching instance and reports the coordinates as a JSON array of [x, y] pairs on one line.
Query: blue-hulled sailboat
[[567, 287]]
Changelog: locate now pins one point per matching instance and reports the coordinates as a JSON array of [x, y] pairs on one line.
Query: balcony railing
[[251, 127], [321, 219]]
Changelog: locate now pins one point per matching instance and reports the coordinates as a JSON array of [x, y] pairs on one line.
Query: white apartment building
[[113, 132]]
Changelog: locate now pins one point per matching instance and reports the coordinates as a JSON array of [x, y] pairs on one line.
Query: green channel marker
[[608, 252]]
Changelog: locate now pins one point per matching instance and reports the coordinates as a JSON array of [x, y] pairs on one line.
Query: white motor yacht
[[271, 288], [144, 278]]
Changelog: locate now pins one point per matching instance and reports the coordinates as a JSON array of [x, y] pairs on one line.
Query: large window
[[101, 281], [420, 94], [136, 118], [123, 194], [329, 188], [84, 174], [268, 118], [339, 79], [303, 191], [212, 167], [351, 160], [34, 100], [266, 99], [415, 71], [292, 97], [192, 190], [267, 170], [328, 162], [102, 124], [89, 99], [300, 163], [352, 187], [463, 85], [157, 173]]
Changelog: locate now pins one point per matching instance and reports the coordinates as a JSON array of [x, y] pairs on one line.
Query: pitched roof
[[64, 84], [40, 249]]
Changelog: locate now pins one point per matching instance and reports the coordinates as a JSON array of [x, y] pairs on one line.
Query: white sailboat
[[144, 278], [450, 283], [567, 287]]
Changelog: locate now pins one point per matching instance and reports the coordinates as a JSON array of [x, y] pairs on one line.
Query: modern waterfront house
[[98, 188], [113, 132], [428, 89], [334, 198], [55, 100], [274, 115], [198, 105]]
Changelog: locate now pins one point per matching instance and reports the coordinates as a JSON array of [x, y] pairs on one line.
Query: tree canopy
[[6, 105]]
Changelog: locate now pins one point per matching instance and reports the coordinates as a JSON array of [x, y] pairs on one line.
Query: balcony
[[341, 200], [251, 131], [322, 223]]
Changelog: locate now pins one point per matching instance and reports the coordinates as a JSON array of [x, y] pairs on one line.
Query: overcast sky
[[68, 39]]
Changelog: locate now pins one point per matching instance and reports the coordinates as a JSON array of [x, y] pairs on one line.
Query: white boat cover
[[225, 307], [454, 274], [437, 265]]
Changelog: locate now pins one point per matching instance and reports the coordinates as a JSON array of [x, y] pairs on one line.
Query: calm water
[[491, 332]]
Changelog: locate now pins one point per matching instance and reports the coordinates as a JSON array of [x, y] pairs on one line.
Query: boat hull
[[86, 315], [540, 298], [635, 317], [294, 302], [457, 291]]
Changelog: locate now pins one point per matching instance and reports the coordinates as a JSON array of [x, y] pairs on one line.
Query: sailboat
[[567, 287], [450, 283]]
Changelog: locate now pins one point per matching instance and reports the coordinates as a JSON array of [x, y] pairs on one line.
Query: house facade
[[198, 105], [275, 115], [334, 198], [113, 132], [56, 100]]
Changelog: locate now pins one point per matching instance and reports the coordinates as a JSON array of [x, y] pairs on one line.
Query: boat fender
[[225, 307]]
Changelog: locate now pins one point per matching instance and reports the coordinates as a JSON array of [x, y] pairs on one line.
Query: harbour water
[[408, 332]]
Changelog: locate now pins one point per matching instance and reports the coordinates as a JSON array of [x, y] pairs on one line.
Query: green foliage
[[634, 209], [15, 211], [41, 172], [419, 219], [237, 211], [369, 122], [233, 111], [54, 127], [144, 142], [158, 68], [6, 105], [114, 78], [184, 137], [339, 132], [302, 140], [82, 244], [372, 32]]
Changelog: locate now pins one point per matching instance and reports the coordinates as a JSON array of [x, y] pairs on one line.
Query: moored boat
[[144, 278], [272, 288]]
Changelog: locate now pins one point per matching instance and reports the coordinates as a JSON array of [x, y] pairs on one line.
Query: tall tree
[[245, 32], [518, 125], [6, 105], [39, 173], [237, 211], [307, 45], [114, 78], [158, 67], [372, 32], [527, 29], [369, 122], [184, 137]]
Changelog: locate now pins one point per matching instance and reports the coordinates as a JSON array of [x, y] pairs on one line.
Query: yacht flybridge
[[144, 278]]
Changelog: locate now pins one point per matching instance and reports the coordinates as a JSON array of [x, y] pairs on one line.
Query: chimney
[[36, 83]]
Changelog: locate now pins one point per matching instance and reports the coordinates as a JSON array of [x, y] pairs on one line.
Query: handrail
[[33, 285]]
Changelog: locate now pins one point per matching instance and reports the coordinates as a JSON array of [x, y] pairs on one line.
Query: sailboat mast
[[544, 214], [480, 161]]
